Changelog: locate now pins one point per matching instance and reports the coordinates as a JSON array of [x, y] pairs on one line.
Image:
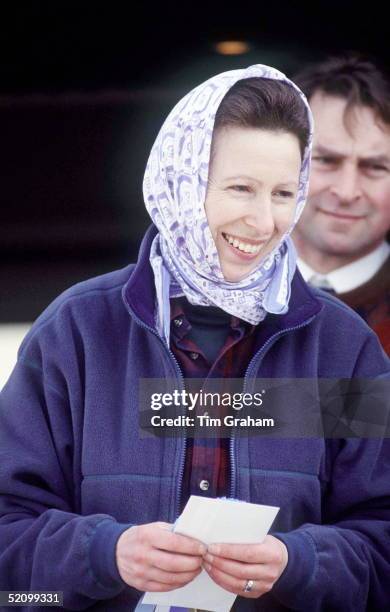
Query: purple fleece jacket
[[75, 473]]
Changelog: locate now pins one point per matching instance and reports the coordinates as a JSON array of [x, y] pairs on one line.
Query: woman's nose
[[260, 216]]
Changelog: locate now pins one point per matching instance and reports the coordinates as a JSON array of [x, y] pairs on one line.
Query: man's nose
[[260, 216], [346, 184]]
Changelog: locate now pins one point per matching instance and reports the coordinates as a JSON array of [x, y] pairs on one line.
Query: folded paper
[[214, 521]]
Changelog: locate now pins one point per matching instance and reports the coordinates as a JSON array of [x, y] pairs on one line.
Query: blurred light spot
[[232, 47]]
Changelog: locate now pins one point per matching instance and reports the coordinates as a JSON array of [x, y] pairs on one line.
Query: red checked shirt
[[206, 471]]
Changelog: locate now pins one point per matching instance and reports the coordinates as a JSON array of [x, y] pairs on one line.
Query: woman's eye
[[285, 194], [240, 188]]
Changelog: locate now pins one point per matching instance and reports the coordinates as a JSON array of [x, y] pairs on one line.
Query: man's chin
[[347, 249]]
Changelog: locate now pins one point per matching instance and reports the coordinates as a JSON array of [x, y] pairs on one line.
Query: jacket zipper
[[233, 470], [182, 387]]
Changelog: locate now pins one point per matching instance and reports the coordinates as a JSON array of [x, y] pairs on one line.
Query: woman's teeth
[[242, 246]]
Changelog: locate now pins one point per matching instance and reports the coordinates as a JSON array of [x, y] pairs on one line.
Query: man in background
[[341, 237]]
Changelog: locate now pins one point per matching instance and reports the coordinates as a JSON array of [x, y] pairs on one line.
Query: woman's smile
[[245, 245]]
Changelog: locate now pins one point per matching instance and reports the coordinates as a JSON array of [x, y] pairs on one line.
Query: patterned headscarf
[[183, 255]]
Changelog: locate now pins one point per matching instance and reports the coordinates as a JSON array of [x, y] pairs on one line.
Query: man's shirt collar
[[350, 276]]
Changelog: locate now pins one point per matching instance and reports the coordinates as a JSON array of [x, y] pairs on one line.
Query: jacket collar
[[139, 294]]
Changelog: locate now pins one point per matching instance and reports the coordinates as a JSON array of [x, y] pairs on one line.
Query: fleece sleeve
[[344, 563], [45, 541]]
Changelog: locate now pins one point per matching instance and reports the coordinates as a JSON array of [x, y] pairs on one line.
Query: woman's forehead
[[250, 151]]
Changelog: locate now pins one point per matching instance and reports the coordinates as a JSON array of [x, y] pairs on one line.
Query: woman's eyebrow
[[289, 184], [251, 178], [241, 176]]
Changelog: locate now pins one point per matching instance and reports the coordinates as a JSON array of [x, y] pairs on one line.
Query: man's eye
[[324, 159], [377, 168]]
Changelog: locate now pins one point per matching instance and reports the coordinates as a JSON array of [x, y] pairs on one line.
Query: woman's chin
[[235, 276]]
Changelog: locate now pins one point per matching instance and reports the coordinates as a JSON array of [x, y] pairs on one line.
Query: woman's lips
[[241, 254]]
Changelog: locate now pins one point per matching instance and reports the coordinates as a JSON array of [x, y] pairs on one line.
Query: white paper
[[215, 521]]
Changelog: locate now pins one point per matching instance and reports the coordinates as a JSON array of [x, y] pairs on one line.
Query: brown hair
[[351, 77], [267, 104]]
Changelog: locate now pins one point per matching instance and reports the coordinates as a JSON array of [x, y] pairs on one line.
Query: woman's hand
[[258, 566], [153, 558]]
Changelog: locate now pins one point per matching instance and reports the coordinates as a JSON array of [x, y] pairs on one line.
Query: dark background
[[84, 88]]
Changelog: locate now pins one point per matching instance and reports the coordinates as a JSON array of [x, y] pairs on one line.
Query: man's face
[[251, 195], [348, 210]]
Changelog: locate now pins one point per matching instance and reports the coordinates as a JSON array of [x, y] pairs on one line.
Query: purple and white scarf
[[183, 255]]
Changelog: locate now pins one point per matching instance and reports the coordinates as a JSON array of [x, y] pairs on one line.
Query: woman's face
[[251, 195]]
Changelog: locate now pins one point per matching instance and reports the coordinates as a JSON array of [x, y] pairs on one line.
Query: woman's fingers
[[159, 537], [151, 555], [174, 562], [149, 578], [237, 585], [233, 565], [248, 553], [271, 551], [237, 569], [142, 577]]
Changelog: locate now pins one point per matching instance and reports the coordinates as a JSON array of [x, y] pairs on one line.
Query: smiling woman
[[250, 213], [87, 503], [229, 167]]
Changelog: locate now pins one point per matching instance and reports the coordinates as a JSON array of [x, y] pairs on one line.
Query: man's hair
[[351, 77], [267, 104]]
